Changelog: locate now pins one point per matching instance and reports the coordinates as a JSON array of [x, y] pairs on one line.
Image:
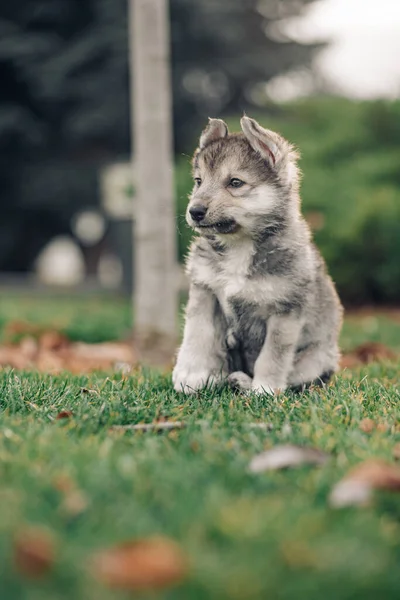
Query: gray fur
[[261, 302]]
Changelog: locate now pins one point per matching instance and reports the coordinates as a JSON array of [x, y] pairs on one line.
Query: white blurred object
[[361, 59], [117, 193], [110, 272], [60, 263], [284, 456], [89, 227]]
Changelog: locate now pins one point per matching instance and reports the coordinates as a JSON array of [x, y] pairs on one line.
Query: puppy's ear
[[215, 130], [279, 154], [268, 143]]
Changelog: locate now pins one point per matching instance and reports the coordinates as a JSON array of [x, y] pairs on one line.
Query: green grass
[[246, 536], [89, 319], [270, 535]]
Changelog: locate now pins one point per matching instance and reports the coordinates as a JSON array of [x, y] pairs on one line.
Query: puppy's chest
[[231, 279], [227, 275]]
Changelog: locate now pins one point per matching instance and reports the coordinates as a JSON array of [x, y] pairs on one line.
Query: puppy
[[263, 313]]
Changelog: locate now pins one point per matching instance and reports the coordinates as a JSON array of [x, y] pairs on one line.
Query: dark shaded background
[[64, 99], [64, 117]]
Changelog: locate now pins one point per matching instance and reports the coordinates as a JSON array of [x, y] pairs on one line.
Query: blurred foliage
[[64, 101], [350, 191]]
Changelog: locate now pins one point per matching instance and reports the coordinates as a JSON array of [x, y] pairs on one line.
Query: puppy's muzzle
[[198, 212]]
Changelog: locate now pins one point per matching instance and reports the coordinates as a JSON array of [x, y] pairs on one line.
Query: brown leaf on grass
[[285, 456], [367, 425], [357, 487], [74, 503], [64, 414], [147, 564], [367, 353], [34, 552], [64, 483]]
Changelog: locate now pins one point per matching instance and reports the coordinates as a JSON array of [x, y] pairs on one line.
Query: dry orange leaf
[[64, 414], [145, 564], [358, 485], [34, 552], [367, 425]]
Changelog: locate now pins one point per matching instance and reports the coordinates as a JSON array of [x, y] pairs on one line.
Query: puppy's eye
[[236, 183], [197, 181]]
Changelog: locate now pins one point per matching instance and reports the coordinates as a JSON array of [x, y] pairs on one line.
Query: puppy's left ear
[[274, 148], [216, 129]]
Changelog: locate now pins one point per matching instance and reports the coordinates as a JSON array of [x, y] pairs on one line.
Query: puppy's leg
[[275, 360], [315, 363], [202, 358]]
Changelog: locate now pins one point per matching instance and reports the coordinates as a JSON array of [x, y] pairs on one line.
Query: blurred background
[[325, 73]]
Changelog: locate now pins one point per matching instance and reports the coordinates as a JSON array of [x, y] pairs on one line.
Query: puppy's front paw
[[261, 387], [239, 381], [189, 382]]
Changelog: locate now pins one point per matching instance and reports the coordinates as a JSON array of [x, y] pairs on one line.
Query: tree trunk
[[155, 264]]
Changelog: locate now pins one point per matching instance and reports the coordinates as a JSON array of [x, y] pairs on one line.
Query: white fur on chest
[[230, 279]]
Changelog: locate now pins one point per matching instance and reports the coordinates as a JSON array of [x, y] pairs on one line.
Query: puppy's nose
[[198, 212]]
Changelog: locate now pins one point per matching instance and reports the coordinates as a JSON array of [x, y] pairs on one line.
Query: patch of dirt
[[391, 312], [30, 347], [368, 353]]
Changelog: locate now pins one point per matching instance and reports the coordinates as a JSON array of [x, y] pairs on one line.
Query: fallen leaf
[[147, 564], [367, 425], [64, 414], [64, 483], [75, 502], [357, 486], [288, 455], [34, 552]]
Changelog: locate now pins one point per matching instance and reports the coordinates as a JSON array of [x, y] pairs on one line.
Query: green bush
[[350, 191]]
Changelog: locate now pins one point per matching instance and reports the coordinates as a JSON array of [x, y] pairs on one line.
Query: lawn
[[245, 536]]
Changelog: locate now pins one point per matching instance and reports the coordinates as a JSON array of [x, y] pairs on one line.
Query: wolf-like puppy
[[262, 311]]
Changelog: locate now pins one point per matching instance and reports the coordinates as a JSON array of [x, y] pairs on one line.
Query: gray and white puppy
[[262, 311]]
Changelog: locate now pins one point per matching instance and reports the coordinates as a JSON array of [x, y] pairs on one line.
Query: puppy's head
[[244, 183]]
